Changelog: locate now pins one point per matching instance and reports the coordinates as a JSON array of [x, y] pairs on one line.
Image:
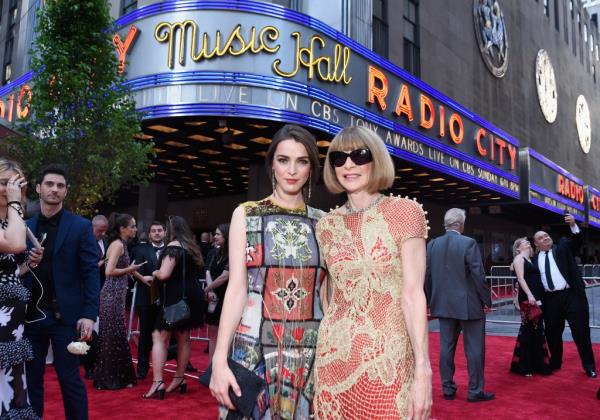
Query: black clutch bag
[[250, 384]]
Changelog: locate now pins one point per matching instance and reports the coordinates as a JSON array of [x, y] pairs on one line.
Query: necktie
[[548, 275]]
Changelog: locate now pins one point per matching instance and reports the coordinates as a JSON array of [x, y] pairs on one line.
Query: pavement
[[504, 320]]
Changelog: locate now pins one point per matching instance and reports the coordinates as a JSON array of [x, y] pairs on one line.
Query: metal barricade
[[501, 282], [133, 332]]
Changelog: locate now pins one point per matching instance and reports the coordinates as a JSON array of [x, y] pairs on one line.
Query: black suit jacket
[[564, 255], [140, 253], [74, 267]]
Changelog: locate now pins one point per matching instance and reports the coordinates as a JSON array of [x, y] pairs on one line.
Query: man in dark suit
[[65, 294], [458, 294], [145, 298], [565, 297]]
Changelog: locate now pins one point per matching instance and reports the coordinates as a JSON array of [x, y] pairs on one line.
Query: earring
[[273, 181], [309, 187]]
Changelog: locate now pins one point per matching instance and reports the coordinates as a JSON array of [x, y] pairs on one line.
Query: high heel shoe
[[158, 394], [182, 386]]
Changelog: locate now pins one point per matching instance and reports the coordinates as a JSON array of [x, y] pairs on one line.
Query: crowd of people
[[326, 312]]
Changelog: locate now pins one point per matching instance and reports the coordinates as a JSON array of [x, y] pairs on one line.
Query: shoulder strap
[[183, 272]]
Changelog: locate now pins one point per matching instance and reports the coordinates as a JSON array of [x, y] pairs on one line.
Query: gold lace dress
[[364, 364]]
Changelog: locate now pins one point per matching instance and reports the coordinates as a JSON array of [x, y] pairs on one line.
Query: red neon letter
[[376, 92]]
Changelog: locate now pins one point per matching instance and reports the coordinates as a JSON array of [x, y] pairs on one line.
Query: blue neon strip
[[270, 114], [311, 92], [554, 209], [554, 166], [300, 18], [593, 190], [557, 197], [451, 171], [16, 83]]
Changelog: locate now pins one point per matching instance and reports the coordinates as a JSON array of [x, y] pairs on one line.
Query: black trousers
[[147, 315], [570, 305]]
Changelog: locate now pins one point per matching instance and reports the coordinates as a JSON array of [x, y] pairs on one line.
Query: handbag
[[250, 384], [180, 311]]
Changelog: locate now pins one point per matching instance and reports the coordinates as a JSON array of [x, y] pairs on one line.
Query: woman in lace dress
[[271, 311], [14, 349], [114, 368], [372, 354]]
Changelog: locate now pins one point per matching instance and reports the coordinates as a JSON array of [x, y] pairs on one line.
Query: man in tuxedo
[[565, 297], [99, 227], [146, 293], [457, 293], [65, 294]]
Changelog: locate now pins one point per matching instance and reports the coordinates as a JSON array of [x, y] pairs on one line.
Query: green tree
[[81, 113]]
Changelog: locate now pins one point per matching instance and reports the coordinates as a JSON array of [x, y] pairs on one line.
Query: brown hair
[[355, 137], [304, 137], [178, 229]]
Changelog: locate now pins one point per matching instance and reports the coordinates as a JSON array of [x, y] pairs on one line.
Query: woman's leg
[[183, 357], [160, 340]]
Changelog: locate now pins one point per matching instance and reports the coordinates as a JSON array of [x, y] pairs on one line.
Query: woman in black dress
[[531, 350], [180, 264], [15, 350], [217, 277]]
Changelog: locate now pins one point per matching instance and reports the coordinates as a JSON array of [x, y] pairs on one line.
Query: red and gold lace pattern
[[364, 363]]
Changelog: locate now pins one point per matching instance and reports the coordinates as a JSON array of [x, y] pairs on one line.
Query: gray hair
[[99, 218], [454, 218]]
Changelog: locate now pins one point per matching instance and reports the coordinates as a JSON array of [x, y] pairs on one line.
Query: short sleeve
[[406, 219], [172, 251]]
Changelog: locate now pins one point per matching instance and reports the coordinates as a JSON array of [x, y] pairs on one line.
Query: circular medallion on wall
[[546, 86], [490, 30], [584, 124]]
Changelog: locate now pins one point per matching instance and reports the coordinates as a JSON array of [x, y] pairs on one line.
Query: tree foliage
[[81, 113]]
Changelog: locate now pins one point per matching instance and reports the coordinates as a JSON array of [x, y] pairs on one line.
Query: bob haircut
[[304, 137], [352, 138]]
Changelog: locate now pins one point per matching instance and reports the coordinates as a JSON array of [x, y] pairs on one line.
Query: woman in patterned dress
[[372, 355], [14, 349], [114, 369], [271, 311]]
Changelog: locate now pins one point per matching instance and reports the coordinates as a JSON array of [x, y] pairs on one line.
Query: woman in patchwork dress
[[271, 311], [15, 350]]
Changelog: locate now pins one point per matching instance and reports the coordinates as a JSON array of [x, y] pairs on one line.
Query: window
[[585, 33], [565, 22], [547, 8], [13, 12], [412, 54], [594, 73], [380, 28], [128, 6], [556, 17], [7, 64], [572, 9]]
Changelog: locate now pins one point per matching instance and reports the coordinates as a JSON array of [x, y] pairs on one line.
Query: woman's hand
[[147, 280], [419, 402], [212, 296], [13, 188], [531, 299], [221, 380], [133, 267]]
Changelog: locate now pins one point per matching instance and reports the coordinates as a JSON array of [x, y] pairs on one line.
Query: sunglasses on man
[[359, 157]]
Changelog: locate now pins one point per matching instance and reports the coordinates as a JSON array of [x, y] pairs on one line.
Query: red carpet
[[567, 394]]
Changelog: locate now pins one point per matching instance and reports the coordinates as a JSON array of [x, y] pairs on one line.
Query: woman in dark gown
[[531, 350], [181, 251], [15, 350], [217, 276], [114, 368]]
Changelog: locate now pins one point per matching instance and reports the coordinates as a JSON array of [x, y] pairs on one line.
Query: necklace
[[350, 210]]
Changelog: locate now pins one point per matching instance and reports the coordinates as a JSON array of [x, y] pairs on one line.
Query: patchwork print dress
[[277, 334]]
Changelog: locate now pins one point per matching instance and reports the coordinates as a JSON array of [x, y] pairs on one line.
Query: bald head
[[542, 241], [100, 226]]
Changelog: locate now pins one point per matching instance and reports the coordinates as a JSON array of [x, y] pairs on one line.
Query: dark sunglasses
[[358, 156]]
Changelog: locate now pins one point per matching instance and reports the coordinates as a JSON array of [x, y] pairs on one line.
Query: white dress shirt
[[559, 281]]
